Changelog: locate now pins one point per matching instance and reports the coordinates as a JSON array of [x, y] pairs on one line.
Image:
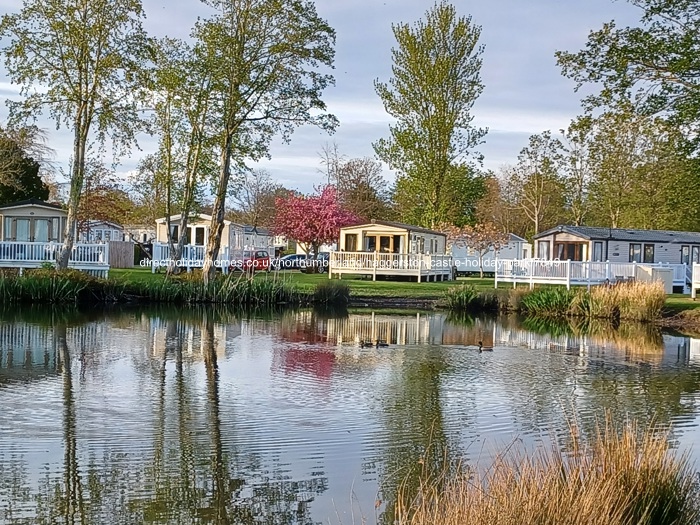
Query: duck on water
[[483, 348], [369, 344]]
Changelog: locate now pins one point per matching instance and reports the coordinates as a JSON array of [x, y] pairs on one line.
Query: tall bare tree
[[254, 202], [359, 183], [536, 185]]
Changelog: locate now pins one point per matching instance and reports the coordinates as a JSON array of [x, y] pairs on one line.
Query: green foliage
[[433, 135], [465, 298], [654, 65], [78, 61], [549, 302], [631, 302], [269, 62], [19, 173], [72, 286], [332, 293]]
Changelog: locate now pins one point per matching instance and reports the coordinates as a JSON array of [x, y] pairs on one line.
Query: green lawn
[[359, 287], [678, 302], [363, 287]]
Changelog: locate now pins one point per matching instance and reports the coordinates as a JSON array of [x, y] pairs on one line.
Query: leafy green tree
[[77, 59], [19, 173], [436, 80], [657, 64], [577, 170], [267, 60], [181, 92]]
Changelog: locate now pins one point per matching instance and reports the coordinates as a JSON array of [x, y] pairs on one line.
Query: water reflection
[[214, 416]]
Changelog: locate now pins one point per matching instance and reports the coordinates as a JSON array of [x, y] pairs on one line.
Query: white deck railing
[[540, 271], [695, 281], [15, 254], [192, 257], [376, 263]]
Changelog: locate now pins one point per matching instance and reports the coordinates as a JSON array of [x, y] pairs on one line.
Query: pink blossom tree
[[312, 220]]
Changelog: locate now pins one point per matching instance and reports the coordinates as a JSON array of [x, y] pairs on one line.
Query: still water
[[208, 416]]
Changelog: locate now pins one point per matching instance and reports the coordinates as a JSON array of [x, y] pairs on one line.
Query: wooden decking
[[421, 267], [573, 273], [91, 258]]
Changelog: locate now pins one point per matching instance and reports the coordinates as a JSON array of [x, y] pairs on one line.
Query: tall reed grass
[[622, 477], [466, 298], [335, 293], [630, 301]]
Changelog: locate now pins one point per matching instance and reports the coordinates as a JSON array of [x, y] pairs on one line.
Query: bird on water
[[483, 348]]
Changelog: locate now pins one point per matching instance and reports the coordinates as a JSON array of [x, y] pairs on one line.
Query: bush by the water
[[549, 302], [466, 298], [335, 293], [623, 477], [636, 301]]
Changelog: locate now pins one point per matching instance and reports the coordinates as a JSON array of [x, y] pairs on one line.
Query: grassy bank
[[288, 287], [72, 287], [358, 286], [622, 477], [632, 301]]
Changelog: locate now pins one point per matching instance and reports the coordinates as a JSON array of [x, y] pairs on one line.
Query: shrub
[[465, 298], [548, 302], [336, 293]]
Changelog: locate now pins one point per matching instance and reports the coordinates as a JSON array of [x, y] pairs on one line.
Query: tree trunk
[[76, 188], [217, 217]]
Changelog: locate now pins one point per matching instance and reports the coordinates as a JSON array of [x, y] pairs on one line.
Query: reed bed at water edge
[[622, 477], [466, 298], [332, 293], [630, 301], [69, 286]]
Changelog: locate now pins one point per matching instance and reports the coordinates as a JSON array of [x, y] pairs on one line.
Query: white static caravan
[[101, 231], [391, 249], [235, 237], [466, 260], [617, 245]]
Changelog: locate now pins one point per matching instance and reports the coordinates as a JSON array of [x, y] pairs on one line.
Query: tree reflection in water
[[192, 476], [190, 448]]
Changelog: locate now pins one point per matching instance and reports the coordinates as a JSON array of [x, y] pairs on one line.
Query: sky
[[524, 93]]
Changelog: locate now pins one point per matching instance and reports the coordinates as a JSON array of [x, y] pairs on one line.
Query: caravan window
[[685, 254], [597, 252], [636, 253], [648, 253], [543, 250], [199, 236]]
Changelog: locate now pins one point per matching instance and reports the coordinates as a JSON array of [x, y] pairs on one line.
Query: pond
[[210, 416]]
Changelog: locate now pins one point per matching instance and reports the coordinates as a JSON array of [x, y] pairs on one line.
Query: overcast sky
[[524, 90]]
